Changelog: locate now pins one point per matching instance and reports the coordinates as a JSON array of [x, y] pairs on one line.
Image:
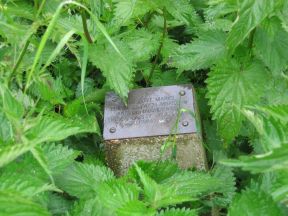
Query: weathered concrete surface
[[121, 154]]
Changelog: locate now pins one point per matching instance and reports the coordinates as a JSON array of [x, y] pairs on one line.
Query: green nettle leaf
[[151, 188], [226, 175], [200, 53], [26, 177], [190, 185], [48, 129], [6, 132], [11, 152], [14, 204], [48, 92], [128, 9], [12, 31], [158, 171], [11, 107], [136, 208], [59, 157], [253, 203], [91, 207], [273, 160], [142, 43], [114, 194], [231, 86], [251, 14], [82, 180], [278, 112], [39, 155], [58, 205], [278, 186], [272, 132], [118, 71], [181, 10], [177, 212], [20, 9], [167, 78], [51, 129], [181, 187], [218, 9], [271, 44]]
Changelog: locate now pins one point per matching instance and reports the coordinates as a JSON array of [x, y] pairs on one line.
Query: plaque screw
[[185, 123], [112, 130], [182, 93]]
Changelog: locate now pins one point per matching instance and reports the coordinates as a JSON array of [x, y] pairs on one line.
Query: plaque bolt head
[[112, 130], [182, 93], [185, 123]]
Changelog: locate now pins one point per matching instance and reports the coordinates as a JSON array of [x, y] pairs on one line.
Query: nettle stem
[[251, 39], [159, 49], [85, 28], [23, 51]]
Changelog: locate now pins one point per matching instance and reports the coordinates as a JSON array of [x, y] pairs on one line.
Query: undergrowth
[[59, 58]]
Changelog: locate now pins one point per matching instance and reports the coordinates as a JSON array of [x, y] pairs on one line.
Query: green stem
[[159, 49], [40, 8], [251, 39], [36, 4], [23, 51], [84, 22]]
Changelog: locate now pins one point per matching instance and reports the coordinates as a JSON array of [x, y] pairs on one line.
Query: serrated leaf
[[91, 207], [181, 187], [218, 9], [25, 177], [167, 78], [10, 153], [12, 204], [231, 86], [270, 161], [20, 9], [39, 155], [12, 31], [158, 171], [181, 10], [251, 14], [189, 186], [6, 132], [254, 203], [272, 132], [142, 43], [11, 106], [82, 180], [271, 44], [128, 9], [279, 112], [226, 175], [135, 208], [177, 212], [48, 129], [114, 194], [118, 72], [200, 53], [151, 188], [55, 128], [58, 205], [58, 156], [49, 91]]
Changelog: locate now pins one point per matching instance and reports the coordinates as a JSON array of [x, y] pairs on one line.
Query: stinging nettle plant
[[59, 58]]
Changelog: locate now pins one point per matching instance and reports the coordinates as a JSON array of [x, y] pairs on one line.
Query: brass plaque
[[150, 112]]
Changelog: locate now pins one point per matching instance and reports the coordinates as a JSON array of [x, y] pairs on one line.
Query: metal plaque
[[150, 112]]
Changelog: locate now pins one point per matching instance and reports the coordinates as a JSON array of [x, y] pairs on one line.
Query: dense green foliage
[[59, 58]]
